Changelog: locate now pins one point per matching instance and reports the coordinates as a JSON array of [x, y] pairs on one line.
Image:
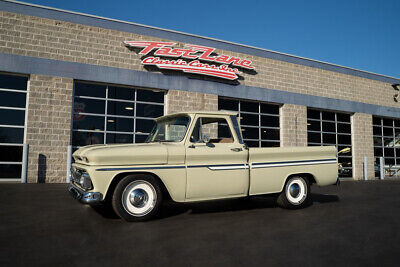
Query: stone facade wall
[[293, 125], [363, 145], [177, 101], [46, 38], [48, 127]]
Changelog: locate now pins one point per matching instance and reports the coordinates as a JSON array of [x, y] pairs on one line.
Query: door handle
[[236, 149]]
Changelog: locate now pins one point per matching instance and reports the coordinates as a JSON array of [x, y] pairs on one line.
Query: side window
[[216, 129]]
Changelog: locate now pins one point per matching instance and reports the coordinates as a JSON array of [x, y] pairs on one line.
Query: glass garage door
[[387, 145], [325, 128], [12, 125], [107, 114], [259, 121]]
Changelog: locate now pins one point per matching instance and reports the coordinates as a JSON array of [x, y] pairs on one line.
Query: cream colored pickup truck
[[196, 156]]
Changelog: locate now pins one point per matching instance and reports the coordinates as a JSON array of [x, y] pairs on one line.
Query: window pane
[[150, 96], [148, 110], [376, 121], [270, 109], [11, 135], [313, 125], [249, 106], [387, 131], [119, 138], [342, 117], [249, 119], [313, 114], [10, 171], [270, 134], [89, 105], [144, 126], [328, 127], [121, 93], [377, 130], [343, 128], [252, 143], [388, 142], [329, 138], [119, 124], [270, 144], [86, 89], [389, 152], [328, 115], [13, 82], [228, 104], [388, 122], [12, 99], [344, 139], [250, 133], [397, 123], [88, 122], [377, 141], [269, 121], [87, 138], [378, 152], [139, 138], [314, 137], [11, 153], [120, 108], [12, 117]]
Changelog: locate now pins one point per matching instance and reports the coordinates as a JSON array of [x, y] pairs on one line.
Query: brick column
[[188, 101], [48, 127], [293, 124], [363, 145]]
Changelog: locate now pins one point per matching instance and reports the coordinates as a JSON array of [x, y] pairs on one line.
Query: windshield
[[169, 130]]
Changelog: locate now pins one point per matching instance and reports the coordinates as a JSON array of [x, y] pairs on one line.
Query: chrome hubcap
[[138, 198], [294, 190]]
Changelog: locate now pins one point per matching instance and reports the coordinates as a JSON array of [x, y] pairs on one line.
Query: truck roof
[[219, 112]]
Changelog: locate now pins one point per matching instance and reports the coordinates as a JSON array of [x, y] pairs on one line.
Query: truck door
[[216, 161]]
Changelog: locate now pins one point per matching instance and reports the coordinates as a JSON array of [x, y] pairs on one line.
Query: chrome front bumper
[[84, 197]]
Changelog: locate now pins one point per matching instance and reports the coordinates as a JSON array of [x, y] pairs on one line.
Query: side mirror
[[206, 138]]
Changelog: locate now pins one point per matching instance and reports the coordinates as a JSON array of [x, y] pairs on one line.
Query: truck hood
[[122, 154]]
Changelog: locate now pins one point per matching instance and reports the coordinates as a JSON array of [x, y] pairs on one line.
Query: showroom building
[[69, 79]]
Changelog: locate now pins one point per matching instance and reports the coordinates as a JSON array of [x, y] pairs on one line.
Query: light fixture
[[110, 120], [129, 108]]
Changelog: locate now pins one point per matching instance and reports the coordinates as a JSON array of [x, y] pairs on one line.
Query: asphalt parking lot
[[357, 224]]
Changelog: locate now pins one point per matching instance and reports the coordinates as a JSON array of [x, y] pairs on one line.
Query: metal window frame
[[107, 115], [336, 133], [382, 137], [26, 91], [259, 114]]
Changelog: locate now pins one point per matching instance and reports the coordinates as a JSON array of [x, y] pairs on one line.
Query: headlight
[[85, 181]]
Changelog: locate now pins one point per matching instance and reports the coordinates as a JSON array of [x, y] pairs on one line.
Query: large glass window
[[325, 128], [259, 121], [386, 133], [106, 114], [12, 125]]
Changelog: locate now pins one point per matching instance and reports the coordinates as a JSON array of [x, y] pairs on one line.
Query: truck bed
[[271, 166]]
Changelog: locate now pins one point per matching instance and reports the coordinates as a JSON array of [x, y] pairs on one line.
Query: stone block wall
[[363, 145], [48, 127], [293, 125]]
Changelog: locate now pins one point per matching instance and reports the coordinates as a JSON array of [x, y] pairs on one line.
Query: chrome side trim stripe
[[140, 168], [292, 163], [229, 166]]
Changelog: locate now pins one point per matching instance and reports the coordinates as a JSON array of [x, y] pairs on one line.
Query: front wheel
[[137, 198], [295, 194]]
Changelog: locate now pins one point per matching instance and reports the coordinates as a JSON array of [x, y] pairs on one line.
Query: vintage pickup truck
[[196, 156]]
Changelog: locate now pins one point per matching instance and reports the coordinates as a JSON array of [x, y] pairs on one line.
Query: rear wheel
[[137, 198], [295, 194]]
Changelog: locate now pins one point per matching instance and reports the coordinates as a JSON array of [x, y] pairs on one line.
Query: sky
[[360, 34]]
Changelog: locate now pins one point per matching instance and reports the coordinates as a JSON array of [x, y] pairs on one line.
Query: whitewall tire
[[137, 198], [295, 194]]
